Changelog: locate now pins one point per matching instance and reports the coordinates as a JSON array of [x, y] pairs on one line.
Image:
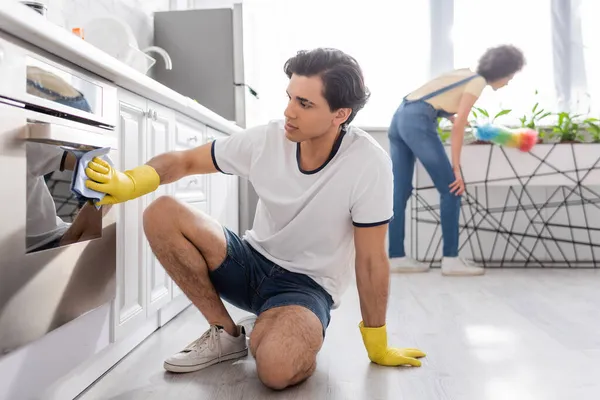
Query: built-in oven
[[57, 249]]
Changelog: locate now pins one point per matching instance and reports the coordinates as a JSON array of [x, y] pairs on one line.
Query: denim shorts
[[248, 280]]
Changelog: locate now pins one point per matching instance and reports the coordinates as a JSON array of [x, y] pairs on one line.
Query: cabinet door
[[130, 301], [191, 189], [190, 134], [161, 128], [223, 193]]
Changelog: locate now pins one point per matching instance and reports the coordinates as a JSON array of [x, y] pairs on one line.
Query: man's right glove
[[120, 186]]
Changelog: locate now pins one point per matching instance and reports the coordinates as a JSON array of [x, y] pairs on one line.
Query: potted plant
[[567, 129], [593, 129]]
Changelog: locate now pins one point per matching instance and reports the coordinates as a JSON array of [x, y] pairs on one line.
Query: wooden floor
[[508, 335]]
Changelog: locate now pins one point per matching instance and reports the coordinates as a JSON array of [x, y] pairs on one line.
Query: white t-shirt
[[304, 219]]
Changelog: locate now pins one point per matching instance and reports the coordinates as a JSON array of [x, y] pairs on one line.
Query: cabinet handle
[[154, 115], [193, 181], [149, 113], [193, 139]]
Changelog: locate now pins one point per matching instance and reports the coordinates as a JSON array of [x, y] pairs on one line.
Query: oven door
[[49, 84], [58, 251]]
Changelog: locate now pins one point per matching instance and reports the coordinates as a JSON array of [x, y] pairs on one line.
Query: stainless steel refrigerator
[[206, 47]]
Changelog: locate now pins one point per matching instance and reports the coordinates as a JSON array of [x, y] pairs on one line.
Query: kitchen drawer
[[192, 188], [190, 133]]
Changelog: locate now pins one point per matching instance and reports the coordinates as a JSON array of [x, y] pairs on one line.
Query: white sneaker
[[407, 264], [213, 347], [455, 266], [248, 324]]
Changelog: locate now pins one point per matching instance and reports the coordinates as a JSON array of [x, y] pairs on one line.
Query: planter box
[[520, 209]]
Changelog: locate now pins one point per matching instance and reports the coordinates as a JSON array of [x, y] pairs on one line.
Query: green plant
[[444, 134], [535, 118], [567, 128], [476, 112], [593, 128]]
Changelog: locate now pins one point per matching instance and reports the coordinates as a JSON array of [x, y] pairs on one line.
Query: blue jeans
[[413, 133], [248, 280]]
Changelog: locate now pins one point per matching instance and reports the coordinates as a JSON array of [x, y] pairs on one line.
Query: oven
[[57, 250]]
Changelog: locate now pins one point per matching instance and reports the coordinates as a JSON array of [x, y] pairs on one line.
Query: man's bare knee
[[285, 342], [198, 228], [278, 370], [154, 214]]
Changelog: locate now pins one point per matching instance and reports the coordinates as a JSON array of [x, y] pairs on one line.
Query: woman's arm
[[458, 127]]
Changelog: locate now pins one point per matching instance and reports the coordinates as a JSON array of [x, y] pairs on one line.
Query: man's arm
[[232, 155], [372, 279], [175, 165], [372, 273], [162, 169]]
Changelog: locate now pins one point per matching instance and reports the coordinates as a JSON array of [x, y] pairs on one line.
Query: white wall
[[212, 3]]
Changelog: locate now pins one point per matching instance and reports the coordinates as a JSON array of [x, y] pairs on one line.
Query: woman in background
[[413, 134]]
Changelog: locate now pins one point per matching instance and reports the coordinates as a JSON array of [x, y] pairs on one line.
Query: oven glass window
[[56, 216], [51, 83]]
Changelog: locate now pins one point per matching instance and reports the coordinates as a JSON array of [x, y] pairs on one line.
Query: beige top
[[450, 100]]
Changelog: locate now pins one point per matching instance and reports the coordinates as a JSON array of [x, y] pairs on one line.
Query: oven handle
[[64, 135]]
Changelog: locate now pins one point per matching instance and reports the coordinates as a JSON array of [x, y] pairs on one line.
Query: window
[[389, 39], [526, 24], [587, 14]]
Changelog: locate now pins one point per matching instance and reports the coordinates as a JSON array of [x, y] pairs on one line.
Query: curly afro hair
[[500, 61]]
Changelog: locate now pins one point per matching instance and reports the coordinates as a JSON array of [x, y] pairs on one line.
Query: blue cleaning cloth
[[79, 177]]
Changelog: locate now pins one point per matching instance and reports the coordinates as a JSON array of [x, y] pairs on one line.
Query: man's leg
[[188, 244], [285, 342]]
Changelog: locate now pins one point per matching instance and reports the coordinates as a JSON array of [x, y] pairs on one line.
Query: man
[[325, 192]]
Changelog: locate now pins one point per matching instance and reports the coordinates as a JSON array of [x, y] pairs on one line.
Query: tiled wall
[[136, 13]]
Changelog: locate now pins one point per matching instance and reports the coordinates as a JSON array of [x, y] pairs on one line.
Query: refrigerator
[[206, 47]]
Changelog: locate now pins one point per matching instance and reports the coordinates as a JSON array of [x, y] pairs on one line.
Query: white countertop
[[27, 25]]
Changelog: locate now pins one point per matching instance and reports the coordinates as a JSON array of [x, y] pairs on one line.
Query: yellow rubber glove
[[120, 186], [375, 340]]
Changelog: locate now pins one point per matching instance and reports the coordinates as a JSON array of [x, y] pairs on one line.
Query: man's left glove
[[375, 340]]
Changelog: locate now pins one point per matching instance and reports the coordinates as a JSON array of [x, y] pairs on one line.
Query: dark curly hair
[[343, 82], [500, 61]]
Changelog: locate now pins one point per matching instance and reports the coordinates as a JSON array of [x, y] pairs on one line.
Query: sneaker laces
[[209, 340]]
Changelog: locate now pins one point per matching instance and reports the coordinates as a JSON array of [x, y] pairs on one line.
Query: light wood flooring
[[508, 335]]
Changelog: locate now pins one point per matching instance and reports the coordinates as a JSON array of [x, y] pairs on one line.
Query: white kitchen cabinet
[[146, 129], [223, 193], [130, 301], [161, 129], [144, 289]]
